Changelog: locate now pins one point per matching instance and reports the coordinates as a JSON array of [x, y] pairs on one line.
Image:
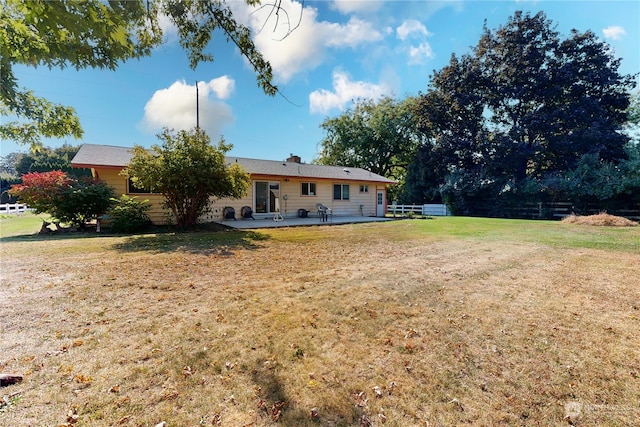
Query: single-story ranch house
[[286, 186]]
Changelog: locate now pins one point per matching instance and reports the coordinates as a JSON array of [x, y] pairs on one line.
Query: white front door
[[380, 205]]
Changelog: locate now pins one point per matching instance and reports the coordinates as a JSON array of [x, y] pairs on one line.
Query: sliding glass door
[[266, 194]]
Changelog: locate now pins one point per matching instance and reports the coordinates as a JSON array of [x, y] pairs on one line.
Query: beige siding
[[113, 178], [358, 203], [218, 205], [119, 183]]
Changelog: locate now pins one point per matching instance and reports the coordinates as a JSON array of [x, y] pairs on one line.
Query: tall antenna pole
[[197, 107]]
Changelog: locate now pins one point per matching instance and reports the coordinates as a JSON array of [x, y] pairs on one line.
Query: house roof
[[109, 156]]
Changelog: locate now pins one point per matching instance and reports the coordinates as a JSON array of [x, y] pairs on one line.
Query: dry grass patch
[[331, 326], [602, 219]]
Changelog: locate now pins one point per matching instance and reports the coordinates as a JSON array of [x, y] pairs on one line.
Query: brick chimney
[[294, 159]]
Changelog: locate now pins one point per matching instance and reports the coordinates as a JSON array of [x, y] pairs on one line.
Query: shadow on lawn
[[204, 243], [275, 404], [35, 237]]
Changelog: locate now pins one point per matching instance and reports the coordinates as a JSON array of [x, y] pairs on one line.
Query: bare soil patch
[[335, 326]]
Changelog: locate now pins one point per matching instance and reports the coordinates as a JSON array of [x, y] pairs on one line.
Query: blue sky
[[342, 50]]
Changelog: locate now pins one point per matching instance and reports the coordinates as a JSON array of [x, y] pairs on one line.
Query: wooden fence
[[430, 210], [554, 210], [13, 208]]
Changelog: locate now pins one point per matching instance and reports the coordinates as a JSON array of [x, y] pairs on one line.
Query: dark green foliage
[[50, 159], [525, 117], [6, 181], [82, 202], [595, 182], [129, 215]]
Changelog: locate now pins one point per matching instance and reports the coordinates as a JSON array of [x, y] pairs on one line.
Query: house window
[[132, 189], [309, 189], [340, 191], [364, 188]]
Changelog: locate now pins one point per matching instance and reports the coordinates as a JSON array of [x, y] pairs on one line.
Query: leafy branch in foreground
[[96, 34]]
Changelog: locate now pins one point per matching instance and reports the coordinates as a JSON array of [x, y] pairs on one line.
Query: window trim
[[309, 193], [342, 187], [364, 188]]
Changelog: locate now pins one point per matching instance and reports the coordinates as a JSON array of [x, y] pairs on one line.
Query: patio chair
[[229, 213], [323, 212], [246, 212]]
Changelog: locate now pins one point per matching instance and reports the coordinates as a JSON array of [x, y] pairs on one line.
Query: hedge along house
[[288, 186]]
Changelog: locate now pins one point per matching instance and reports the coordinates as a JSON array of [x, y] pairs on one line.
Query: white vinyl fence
[[431, 210], [13, 208]]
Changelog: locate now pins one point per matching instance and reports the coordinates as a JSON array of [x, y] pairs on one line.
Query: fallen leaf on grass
[[361, 400], [72, 415], [121, 402], [276, 410], [124, 419], [411, 333], [169, 394], [82, 379]]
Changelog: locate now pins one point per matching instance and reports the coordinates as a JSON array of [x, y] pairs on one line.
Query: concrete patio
[[268, 222]]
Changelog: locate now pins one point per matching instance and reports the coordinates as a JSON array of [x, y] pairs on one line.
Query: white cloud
[[175, 107], [413, 29], [295, 41], [418, 54], [410, 28], [350, 6], [351, 34], [223, 87], [614, 32], [345, 91]]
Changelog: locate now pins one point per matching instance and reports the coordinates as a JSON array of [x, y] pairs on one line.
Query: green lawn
[[20, 224]]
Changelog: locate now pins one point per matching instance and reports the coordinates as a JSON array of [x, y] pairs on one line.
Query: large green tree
[[100, 34], [188, 171], [49, 159], [524, 105], [375, 135]]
